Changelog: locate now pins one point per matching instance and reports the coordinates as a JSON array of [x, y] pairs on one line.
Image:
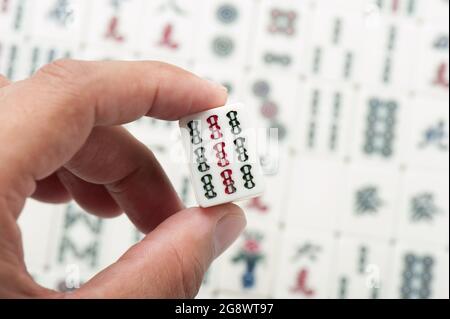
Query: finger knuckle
[[67, 78], [67, 75], [63, 69]]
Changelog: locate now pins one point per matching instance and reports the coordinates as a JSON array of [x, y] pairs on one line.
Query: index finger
[[49, 116]]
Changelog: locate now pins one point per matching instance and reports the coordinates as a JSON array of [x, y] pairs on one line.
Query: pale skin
[[63, 141]]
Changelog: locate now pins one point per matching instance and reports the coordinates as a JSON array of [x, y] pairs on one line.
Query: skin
[[65, 142]]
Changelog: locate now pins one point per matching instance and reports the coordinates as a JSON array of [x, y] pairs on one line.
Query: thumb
[[172, 260]]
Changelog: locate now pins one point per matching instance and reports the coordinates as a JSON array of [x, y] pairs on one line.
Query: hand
[[62, 141]]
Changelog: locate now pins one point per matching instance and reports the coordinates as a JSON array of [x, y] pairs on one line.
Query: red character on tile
[[302, 285], [5, 6], [441, 79], [167, 38], [257, 204], [113, 30], [395, 5]]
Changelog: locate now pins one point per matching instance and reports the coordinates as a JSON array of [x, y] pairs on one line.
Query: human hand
[[63, 140]]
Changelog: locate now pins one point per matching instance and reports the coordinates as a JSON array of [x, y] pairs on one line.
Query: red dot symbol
[[269, 110]]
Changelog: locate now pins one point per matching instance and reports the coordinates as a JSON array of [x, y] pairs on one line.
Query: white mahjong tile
[[304, 264], [326, 110], [115, 23], [77, 243], [173, 29], [315, 194], [334, 50], [249, 263], [13, 17], [370, 201], [419, 271], [428, 142], [279, 39], [36, 224], [12, 59], [361, 268], [381, 124], [389, 54], [431, 76], [225, 32], [60, 20], [424, 207]]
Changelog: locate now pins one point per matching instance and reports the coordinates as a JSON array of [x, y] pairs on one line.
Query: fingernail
[[217, 85], [228, 229]]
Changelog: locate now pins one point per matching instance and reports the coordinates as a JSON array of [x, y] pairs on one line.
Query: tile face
[[304, 265], [361, 269], [12, 59], [224, 32], [114, 24], [280, 31], [419, 272], [308, 209], [36, 233], [428, 144], [335, 54], [432, 74], [389, 51], [12, 16], [76, 248], [173, 24], [59, 19], [424, 208], [222, 156], [326, 110], [380, 127], [370, 202], [247, 266]]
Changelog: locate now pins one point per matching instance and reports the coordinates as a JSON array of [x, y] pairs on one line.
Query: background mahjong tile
[[370, 202], [115, 23], [389, 54], [428, 140], [424, 208], [336, 53], [281, 31], [12, 59], [361, 268], [60, 20], [434, 11], [304, 264], [249, 263], [419, 271], [315, 194], [13, 17], [37, 233], [36, 54], [76, 244], [431, 75], [381, 126], [326, 110], [225, 32], [175, 23]]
